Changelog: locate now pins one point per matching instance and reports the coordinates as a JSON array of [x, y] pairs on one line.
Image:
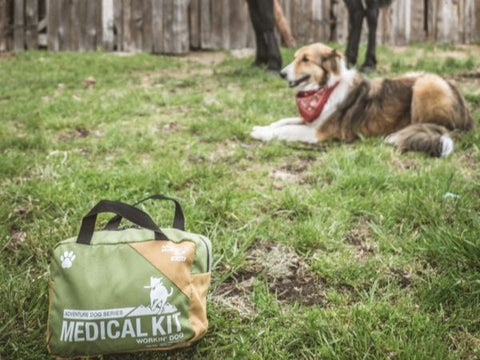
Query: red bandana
[[311, 103]]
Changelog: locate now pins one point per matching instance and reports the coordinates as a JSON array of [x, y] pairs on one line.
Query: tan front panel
[[198, 304], [174, 260]]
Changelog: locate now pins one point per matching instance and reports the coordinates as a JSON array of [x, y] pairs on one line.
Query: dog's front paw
[[263, 133]]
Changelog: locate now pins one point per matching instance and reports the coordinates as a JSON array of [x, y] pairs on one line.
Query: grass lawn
[[335, 251]]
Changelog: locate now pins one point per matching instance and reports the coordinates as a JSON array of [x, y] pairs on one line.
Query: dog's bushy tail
[[431, 139]]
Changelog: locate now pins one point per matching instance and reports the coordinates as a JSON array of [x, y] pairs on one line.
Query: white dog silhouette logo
[[158, 294]]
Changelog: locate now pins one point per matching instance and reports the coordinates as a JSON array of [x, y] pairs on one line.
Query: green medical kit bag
[[127, 290]]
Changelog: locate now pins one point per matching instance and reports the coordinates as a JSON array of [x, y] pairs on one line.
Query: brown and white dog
[[416, 111]]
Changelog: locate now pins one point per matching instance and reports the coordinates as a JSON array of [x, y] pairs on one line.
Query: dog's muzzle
[[297, 82]]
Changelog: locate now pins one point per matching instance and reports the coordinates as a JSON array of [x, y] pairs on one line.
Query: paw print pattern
[[67, 259]]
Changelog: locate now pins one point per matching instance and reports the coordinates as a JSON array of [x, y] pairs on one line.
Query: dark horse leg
[[356, 12], [373, 8], [263, 21]]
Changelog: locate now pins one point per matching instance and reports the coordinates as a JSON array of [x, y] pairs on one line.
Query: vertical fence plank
[[399, 22], [194, 18], [315, 20], [455, 28], [216, 21], [342, 23], [127, 23], [52, 25], [3, 25], [147, 26], [78, 13], [137, 25], [168, 36], [441, 21], [384, 25], [408, 20], [239, 21], [326, 9], [118, 24], [417, 32], [250, 31], [333, 18], [225, 25], [93, 24], [98, 25], [19, 23], [432, 19], [157, 26], [470, 21], [461, 21], [31, 29], [107, 25], [476, 17], [301, 16], [205, 24], [175, 33], [319, 21], [64, 25], [181, 26]]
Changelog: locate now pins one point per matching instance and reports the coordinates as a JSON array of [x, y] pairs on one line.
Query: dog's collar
[[311, 103]]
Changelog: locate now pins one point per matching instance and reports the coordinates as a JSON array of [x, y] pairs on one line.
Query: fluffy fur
[[416, 111]]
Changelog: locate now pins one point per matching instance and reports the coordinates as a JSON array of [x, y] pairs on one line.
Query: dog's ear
[[330, 62]]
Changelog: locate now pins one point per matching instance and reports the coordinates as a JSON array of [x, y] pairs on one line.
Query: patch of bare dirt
[[470, 74], [79, 132], [156, 78], [458, 55], [285, 272], [469, 159], [403, 163], [171, 126], [468, 82], [359, 237], [243, 53], [469, 163], [17, 237], [210, 58], [404, 277], [89, 82], [223, 153], [294, 171], [4, 56]]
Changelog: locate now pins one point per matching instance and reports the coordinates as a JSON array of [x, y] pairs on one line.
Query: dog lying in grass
[[416, 111]]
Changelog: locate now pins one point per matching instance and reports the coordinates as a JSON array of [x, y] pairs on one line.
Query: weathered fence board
[[175, 26], [3, 24], [108, 25], [31, 26], [118, 25], [64, 29], [19, 30], [127, 31], [52, 23], [476, 17], [147, 31]]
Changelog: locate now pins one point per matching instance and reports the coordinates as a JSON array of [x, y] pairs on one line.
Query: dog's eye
[[305, 59]]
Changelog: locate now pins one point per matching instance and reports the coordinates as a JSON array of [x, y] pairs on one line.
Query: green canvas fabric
[[109, 297]]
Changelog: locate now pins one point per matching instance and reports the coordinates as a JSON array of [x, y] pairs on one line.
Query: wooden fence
[[176, 26]]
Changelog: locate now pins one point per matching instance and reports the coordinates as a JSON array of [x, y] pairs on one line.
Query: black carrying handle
[[178, 220], [126, 211]]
